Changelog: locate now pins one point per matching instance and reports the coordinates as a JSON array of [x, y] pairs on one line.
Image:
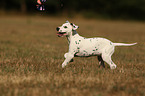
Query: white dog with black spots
[[81, 46]]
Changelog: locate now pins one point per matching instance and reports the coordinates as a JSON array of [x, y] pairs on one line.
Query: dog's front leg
[[65, 55], [68, 58]]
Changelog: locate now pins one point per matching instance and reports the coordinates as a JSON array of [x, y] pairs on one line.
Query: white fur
[[80, 46]]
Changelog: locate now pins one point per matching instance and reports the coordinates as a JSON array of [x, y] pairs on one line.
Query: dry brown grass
[[31, 55]]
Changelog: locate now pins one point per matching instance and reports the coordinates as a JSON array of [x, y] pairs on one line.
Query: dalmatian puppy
[[81, 46]]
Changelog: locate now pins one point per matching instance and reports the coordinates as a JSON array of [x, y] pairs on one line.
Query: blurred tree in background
[[113, 9]]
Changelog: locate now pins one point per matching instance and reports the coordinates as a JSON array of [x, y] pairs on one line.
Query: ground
[[31, 56]]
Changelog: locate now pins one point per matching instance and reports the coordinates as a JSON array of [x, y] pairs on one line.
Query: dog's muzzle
[[60, 34]]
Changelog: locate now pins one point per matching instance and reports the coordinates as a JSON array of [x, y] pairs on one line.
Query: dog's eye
[[65, 26]]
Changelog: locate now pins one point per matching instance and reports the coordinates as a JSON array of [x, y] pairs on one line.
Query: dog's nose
[[57, 28]]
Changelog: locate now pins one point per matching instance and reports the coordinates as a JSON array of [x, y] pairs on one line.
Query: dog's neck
[[73, 33]]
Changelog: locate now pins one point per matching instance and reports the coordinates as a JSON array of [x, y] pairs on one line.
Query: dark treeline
[[126, 9]]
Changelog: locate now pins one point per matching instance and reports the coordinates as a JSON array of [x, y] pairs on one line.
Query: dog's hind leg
[[106, 56], [107, 59], [101, 62]]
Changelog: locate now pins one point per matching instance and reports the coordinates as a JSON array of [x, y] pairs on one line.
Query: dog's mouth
[[61, 34]]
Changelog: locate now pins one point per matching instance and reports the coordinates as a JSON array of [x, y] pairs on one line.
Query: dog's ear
[[75, 27], [67, 21]]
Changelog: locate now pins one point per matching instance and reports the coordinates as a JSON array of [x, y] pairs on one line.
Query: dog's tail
[[123, 44]]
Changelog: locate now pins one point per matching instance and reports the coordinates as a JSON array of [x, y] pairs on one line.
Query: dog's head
[[66, 29]]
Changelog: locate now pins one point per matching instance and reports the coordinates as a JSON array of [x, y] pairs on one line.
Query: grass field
[[31, 56]]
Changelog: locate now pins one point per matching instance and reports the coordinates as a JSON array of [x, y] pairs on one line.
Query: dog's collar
[[74, 32]]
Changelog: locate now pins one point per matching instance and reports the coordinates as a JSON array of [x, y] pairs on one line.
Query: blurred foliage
[[125, 9]]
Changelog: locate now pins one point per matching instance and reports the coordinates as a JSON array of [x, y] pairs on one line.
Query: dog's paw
[[113, 67], [63, 65]]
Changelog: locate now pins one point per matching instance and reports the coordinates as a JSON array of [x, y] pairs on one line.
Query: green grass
[[31, 56]]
